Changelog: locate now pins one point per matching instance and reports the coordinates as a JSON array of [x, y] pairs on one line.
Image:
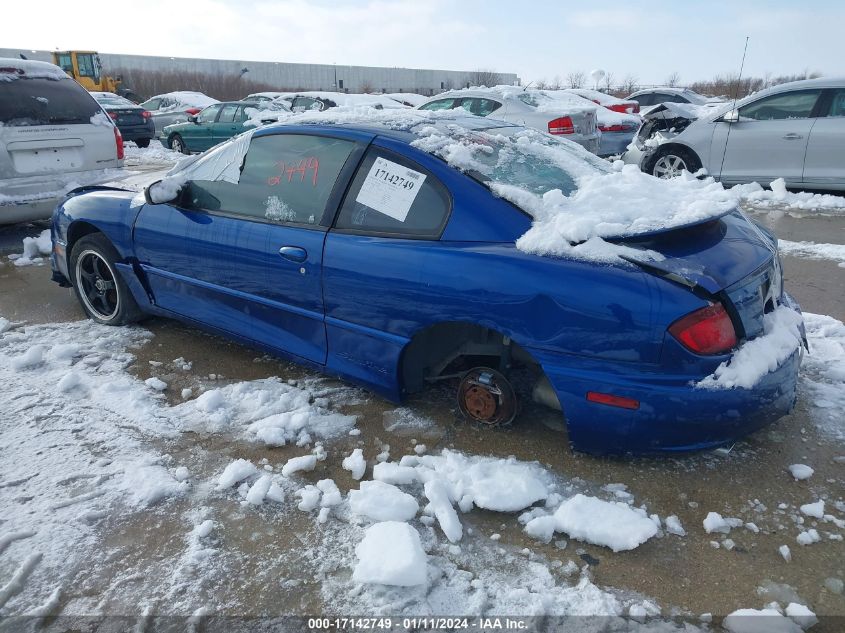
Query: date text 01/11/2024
[[418, 624]]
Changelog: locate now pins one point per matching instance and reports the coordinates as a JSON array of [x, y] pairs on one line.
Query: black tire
[[100, 289], [177, 144], [668, 162], [143, 142]]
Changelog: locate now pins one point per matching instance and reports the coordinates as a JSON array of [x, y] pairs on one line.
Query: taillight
[[625, 108], [118, 141], [708, 330], [616, 128], [562, 125], [146, 114], [113, 115], [192, 110]]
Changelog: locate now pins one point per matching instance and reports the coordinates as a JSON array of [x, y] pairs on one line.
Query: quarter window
[[227, 114], [285, 178], [789, 105], [480, 106], [392, 195], [837, 104]]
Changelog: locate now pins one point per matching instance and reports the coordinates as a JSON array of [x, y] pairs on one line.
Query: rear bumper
[[134, 132], [614, 143], [42, 209], [591, 143], [673, 414]]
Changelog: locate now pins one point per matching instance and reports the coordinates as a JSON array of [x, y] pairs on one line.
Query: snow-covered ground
[[245, 478]]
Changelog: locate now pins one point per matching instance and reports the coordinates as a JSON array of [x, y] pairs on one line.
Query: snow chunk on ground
[[391, 554], [30, 358], [811, 250], [148, 483], [297, 464], [801, 615], [673, 526], [714, 522], [379, 501], [236, 471], [611, 524], [755, 358], [156, 383], [823, 372], [779, 197], [441, 505], [34, 249], [813, 509], [393, 473], [784, 551], [759, 621], [355, 463], [801, 471], [541, 528], [258, 490], [808, 538]]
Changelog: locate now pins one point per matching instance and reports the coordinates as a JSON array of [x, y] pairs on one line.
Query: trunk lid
[[729, 256]]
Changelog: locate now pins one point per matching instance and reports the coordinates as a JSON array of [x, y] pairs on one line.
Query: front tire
[[671, 162], [178, 145], [101, 291]]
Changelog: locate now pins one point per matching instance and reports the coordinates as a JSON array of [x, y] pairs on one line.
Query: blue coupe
[[361, 250]]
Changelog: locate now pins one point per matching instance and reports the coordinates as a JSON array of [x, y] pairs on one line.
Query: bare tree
[[367, 88], [630, 83], [608, 81], [556, 83], [485, 77], [674, 79], [541, 84], [576, 79]]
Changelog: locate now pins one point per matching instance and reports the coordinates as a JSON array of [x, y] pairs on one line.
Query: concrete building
[[287, 76]]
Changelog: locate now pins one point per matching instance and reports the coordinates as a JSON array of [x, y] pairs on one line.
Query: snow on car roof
[[593, 95], [407, 97], [566, 103], [351, 99], [188, 98], [11, 69]]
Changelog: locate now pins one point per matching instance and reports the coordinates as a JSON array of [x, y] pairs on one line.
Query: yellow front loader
[[87, 69]]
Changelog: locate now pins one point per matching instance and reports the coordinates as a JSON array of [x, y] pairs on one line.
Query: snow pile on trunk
[[622, 203], [391, 554], [781, 338], [611, 524]]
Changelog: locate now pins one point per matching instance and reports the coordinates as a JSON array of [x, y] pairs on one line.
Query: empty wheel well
[[438, 351], [77, 231]]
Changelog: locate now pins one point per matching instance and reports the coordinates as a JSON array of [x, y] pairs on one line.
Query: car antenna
[[733, 107], [527, 86]]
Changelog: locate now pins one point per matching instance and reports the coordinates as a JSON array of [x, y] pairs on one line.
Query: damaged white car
[[793, 131]]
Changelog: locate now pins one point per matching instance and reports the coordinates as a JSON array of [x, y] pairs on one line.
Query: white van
[[53, 137]]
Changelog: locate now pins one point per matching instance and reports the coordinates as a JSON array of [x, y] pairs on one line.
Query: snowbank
[[778, 196], [812, 250]]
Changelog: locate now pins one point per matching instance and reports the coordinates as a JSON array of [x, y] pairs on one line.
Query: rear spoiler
[[88, 188]]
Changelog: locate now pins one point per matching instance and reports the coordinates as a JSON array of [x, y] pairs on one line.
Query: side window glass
[[209, 114], [480, 106], [788, 105], [152, 104], [644, 100], [837, 104], [227, 114], [442, 104], [65, 64], [286, 178], [86, 65], [393, 195]]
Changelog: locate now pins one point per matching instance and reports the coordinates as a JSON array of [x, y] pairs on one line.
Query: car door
[[824, 165], [226, 125], [375, 257], [198, 136], [245, 257], [769, 140]]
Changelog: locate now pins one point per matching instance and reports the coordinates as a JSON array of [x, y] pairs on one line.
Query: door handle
[[294, 253], [792, 136]]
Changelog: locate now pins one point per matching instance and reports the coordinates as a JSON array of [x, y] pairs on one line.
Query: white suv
[[53, 137]]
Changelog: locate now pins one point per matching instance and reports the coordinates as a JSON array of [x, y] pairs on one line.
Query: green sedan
[[215, 124]]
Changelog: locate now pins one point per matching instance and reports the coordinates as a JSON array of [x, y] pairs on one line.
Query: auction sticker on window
[[390, 188]]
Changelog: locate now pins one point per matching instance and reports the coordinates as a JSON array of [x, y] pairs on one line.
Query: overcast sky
[[535, 39]]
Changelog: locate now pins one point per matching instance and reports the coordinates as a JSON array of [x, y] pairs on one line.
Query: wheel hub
[[486, 396], [480, 402], [100, 285]]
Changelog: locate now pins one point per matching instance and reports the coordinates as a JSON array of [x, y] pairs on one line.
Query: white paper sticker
[[390, 188]]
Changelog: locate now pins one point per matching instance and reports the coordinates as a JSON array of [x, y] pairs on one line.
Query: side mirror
[[163, 191], [731, 116], [192, 118]]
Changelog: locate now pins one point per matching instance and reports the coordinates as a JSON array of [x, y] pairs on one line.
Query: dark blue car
[[359, 251]]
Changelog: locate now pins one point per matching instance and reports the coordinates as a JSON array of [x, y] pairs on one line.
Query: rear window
[[115, 101], [39, 101]]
